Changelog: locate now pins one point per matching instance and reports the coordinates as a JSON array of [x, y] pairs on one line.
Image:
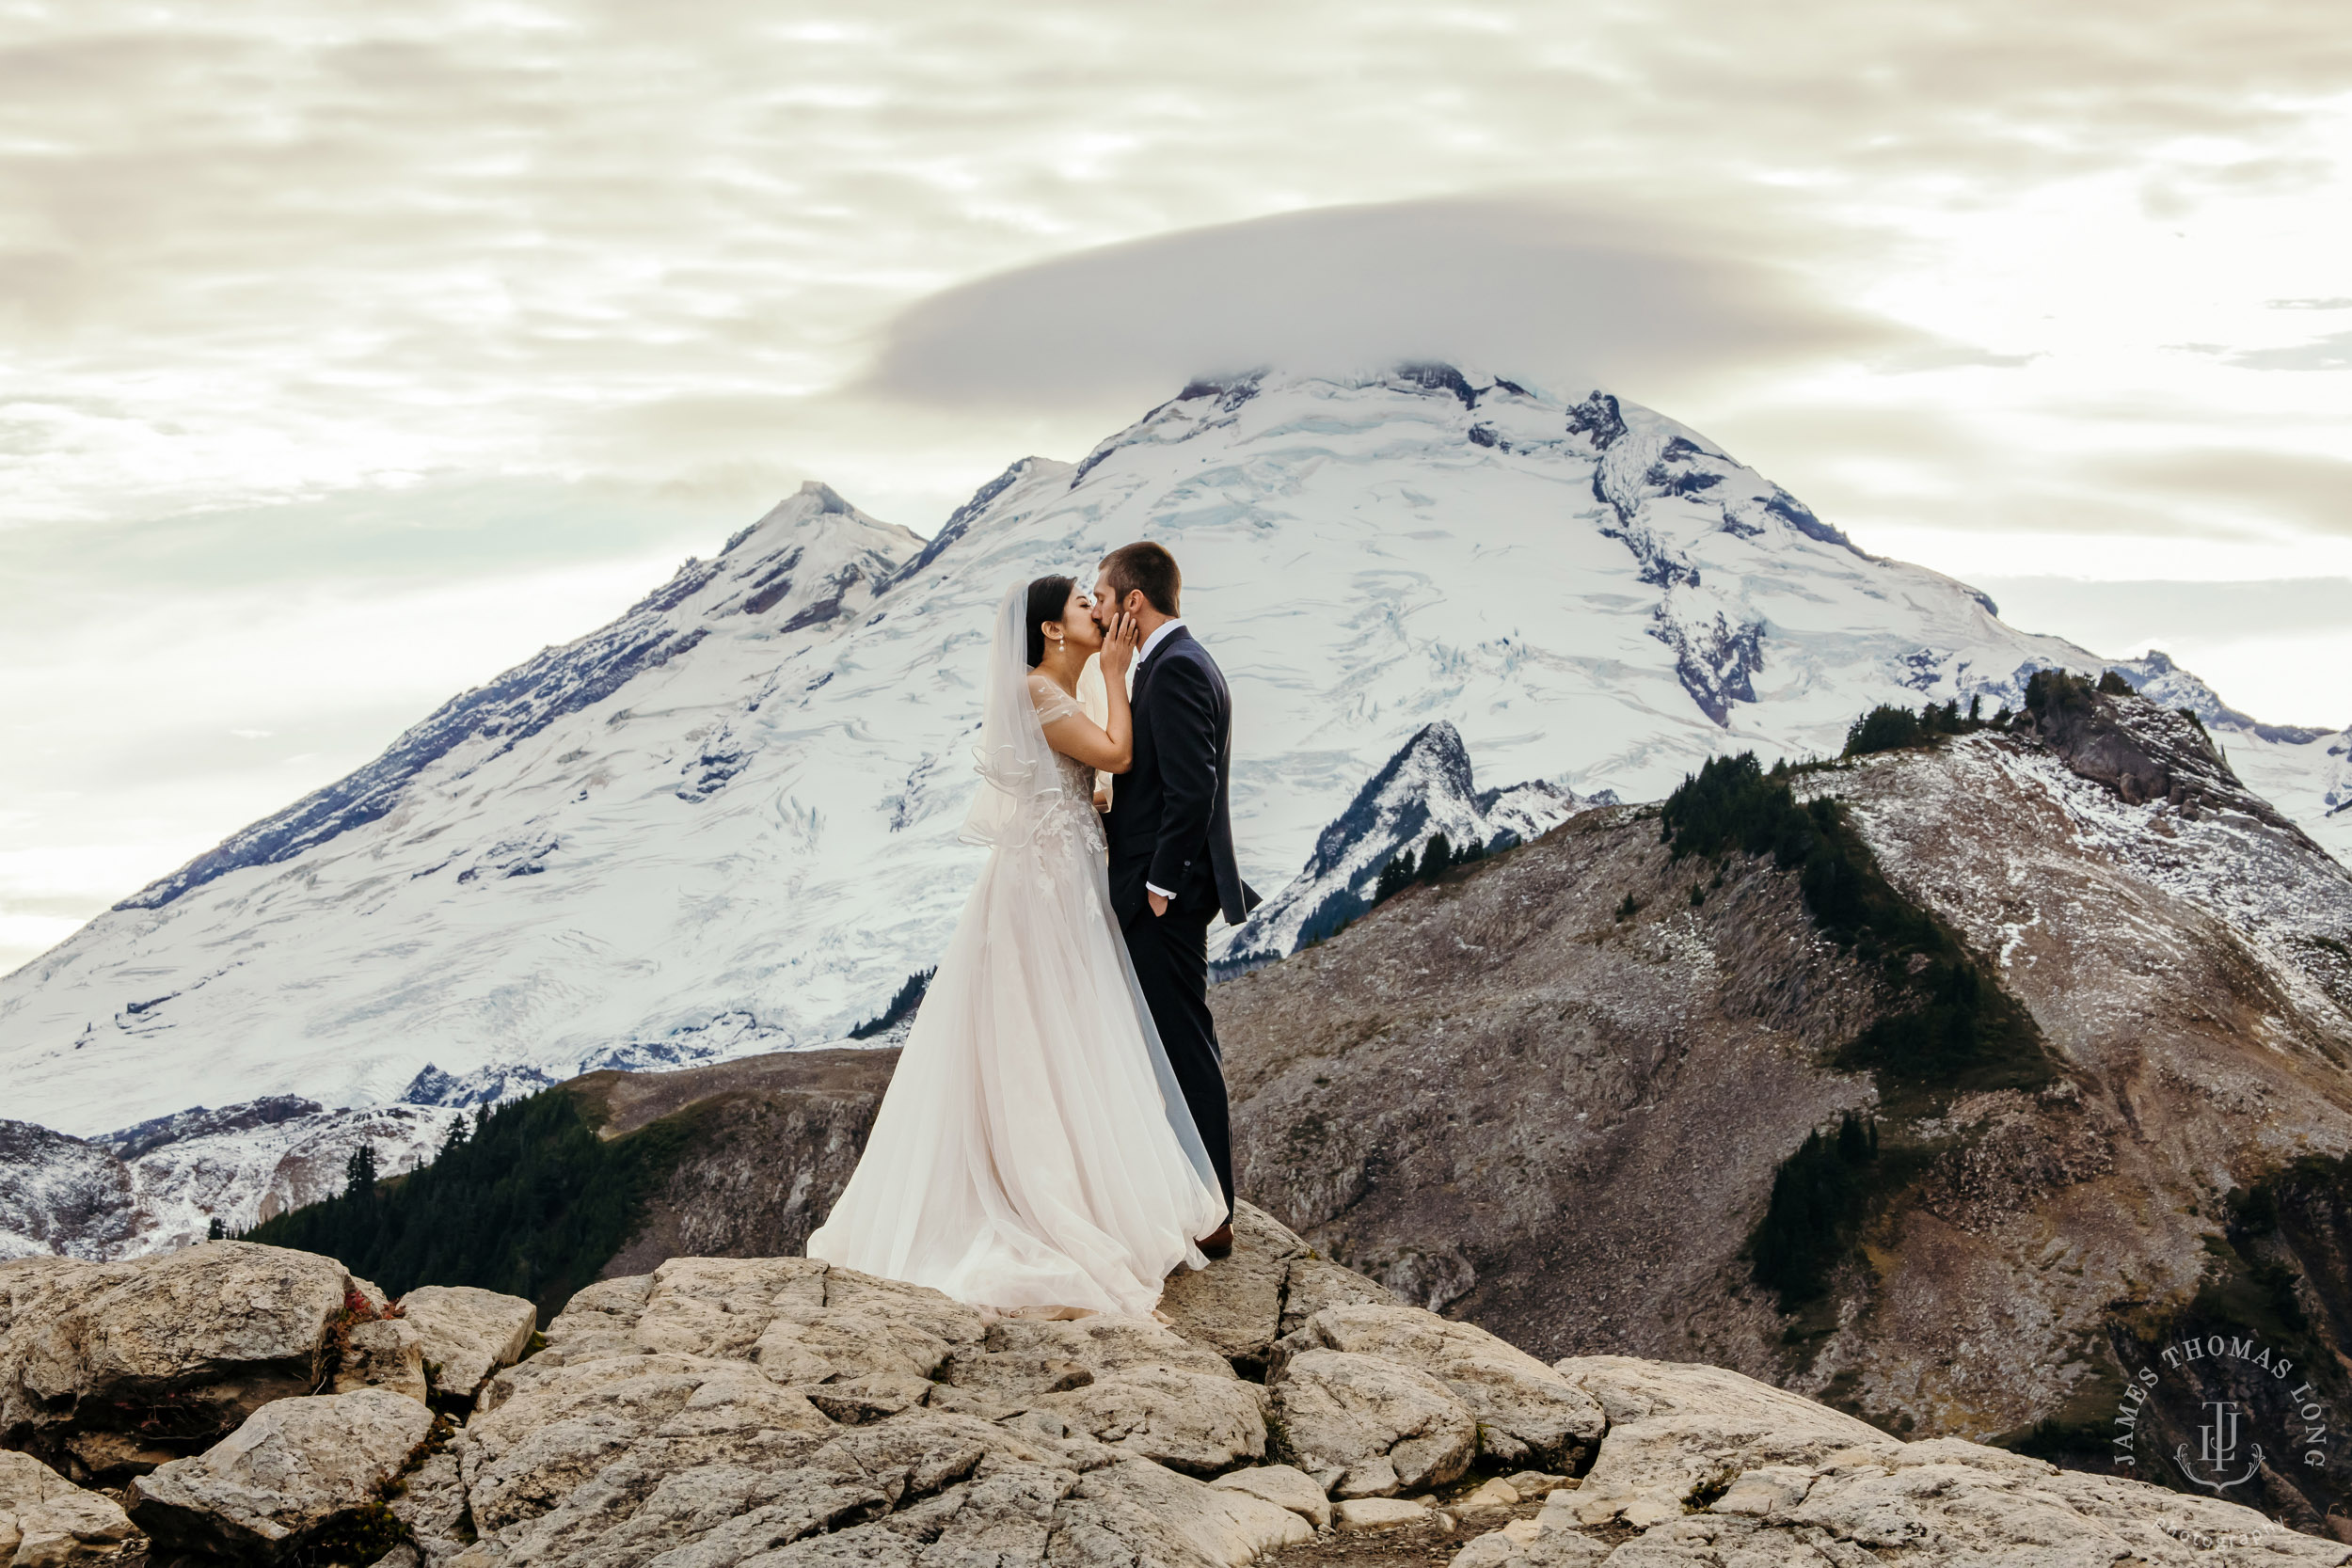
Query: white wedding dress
[[1033, 1151]]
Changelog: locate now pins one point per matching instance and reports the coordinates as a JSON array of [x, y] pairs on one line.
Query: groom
[[1171, 838]]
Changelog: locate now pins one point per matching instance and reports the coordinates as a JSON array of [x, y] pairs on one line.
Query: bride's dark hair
[[1048, 598]]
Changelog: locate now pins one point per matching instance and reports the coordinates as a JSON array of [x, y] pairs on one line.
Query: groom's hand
[[1160, 904]]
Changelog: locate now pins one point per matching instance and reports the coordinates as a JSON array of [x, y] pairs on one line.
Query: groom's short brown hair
[[1148, 567]]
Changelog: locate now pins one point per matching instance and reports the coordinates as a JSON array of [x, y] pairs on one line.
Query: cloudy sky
[[350, 354]]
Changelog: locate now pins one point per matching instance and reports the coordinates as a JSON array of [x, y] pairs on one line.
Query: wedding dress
[[1033, 1151]]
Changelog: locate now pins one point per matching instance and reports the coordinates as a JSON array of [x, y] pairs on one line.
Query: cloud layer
[[339, 324], [1539, 288]]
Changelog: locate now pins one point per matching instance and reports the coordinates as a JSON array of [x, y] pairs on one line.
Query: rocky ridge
[[777, 1412]]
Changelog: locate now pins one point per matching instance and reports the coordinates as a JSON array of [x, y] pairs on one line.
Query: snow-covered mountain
[[1424, 790], [159, 1185], [726, 822]]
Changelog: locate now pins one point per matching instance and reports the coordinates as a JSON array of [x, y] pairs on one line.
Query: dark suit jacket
[[1170, 823]]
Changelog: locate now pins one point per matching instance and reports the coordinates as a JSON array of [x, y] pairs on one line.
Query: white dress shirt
[[1143, 656], [1159, 635]]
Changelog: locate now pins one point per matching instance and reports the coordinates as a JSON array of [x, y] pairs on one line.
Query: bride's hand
[[1119, 647]]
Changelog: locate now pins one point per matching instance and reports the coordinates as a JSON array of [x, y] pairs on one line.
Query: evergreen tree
[[1885, 729], [1436, 858], [215, 1231], [1395, 877], [903, 1004], [359, 1174]]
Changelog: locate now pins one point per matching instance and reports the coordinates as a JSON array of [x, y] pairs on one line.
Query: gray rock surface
[[48, 1522], [1527, 1414], [1368, 1427], [108, 1370], [1283, 1485], [387, 1353], [1677, 1428], [292, 1468], [1239, 1305], [783, 1413], [1372, 1514], [467, 1334]]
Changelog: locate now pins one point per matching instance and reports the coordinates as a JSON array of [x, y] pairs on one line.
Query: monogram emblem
[[2218, 1449]]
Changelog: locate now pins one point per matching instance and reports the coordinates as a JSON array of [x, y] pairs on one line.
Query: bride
[[1034, 1153]]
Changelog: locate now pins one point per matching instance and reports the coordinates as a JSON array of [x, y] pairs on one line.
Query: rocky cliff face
[[773, 1142]]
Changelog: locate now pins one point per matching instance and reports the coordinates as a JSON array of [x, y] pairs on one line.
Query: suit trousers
[[1170, 953]]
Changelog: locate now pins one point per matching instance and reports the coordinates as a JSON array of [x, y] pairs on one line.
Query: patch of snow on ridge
[[726, 822]]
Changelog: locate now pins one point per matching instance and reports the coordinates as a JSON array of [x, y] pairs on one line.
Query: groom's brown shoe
[[1218, 1243]]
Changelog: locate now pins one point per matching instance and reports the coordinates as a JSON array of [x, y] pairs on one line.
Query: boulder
[[1366, 1427], [1527, 1413], [561, 1425], [48, 1522], [1511, 1548], [1139, 1512], [1677, 1428], [1315, 1283], [430, 1504], [1240, 1305], [468, 1334], [109, 1370], [599, 1320], [1234, 1305], [1282, 1485], [1186, 1420], [1371, 1514], [296, 1466], [386, 1354], [1488, 1497]]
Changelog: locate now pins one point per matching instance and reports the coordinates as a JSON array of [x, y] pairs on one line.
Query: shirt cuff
[[1161, 891]]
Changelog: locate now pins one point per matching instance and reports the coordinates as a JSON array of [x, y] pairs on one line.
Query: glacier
[[726, 822]]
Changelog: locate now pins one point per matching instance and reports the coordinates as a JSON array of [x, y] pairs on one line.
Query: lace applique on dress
[[1071, 822], [1052, 703]]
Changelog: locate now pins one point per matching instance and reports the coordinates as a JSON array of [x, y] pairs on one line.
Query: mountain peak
[[817, 507]]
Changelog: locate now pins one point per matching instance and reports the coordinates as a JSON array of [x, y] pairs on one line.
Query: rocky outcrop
[[294, 1467], [1705, 1467], [2143, 752], [107, 1369], [386, 1354], [781, 1413], [465, 1334], [1527, 1416], [1268, 1288], [48, 1522], [61, 1196]]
